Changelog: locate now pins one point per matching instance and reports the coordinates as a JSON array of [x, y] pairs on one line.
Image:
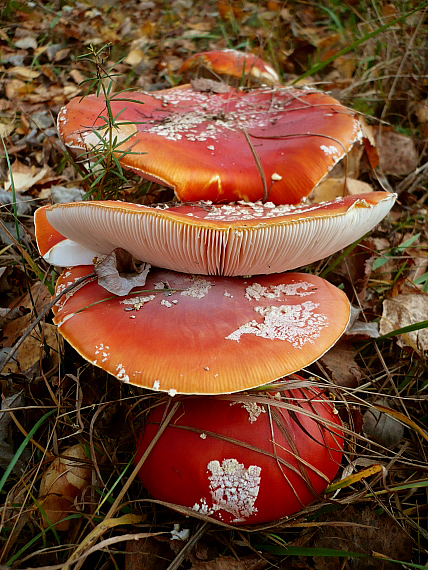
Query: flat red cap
[[203, 144], [202, 335], [233, 239]]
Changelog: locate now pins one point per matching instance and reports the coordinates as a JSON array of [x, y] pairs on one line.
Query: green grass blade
[[307, 551], [404, 330], [22, 447]]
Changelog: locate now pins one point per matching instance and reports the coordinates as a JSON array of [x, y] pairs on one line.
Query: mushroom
[[194, 335], [267, 143], [245, 459], [230, 63], [232, 240]]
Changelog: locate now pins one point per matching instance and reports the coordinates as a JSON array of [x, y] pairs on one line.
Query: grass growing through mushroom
[[384, 491]]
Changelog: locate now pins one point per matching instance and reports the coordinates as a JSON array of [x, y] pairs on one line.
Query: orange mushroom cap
[[233, 239], [243, 459], [203, 145], [233, 63], [195, 335]]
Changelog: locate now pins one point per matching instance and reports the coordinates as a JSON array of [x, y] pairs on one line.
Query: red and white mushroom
[[232, 240], [231, 63], [244, 459], [267, 143], [194, 335]]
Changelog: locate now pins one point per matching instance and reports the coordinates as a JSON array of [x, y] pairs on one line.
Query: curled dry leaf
[[118, 274], [62, 485]]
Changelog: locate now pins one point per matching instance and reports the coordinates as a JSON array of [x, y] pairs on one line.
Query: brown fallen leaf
[[62, 485], [402, 311], [397, 152], [24, 177], [32, 349], [340, 362]]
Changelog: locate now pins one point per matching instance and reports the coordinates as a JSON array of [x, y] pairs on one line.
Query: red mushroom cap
[[203, 144], [195, 335], [240, 239], [232, 63], [244, 461]]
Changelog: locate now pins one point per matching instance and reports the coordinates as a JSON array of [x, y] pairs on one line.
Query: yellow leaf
[[355, 478]]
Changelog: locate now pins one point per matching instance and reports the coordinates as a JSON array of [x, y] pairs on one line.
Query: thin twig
[[259, 166]]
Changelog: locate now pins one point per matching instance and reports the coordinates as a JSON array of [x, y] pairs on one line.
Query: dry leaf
[[32, 349], [23, 72], [134, 57], [402, 311], [24, 177], [331, 188], [62, 484], [397, 152], [118, 274], [340, 362], [381, 427]]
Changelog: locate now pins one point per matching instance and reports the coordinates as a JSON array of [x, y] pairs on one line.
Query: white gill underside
[[166, 243]]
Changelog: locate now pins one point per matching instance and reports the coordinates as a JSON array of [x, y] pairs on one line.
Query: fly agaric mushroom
[[230, 63], [193, 335], [233, 240], [245, 459], [268, 143]]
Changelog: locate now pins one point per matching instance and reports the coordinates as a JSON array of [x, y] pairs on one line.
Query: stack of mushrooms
[[220, 312]]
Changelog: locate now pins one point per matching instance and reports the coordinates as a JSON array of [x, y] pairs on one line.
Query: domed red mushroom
[[268, 143], [231, 63], [195, 335], [244, 461], [234, 239]]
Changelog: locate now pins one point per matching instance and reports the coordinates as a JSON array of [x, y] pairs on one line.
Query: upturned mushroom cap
[[244, 461], [233, 239], [233, 63], [195, 335], [203, 144]]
